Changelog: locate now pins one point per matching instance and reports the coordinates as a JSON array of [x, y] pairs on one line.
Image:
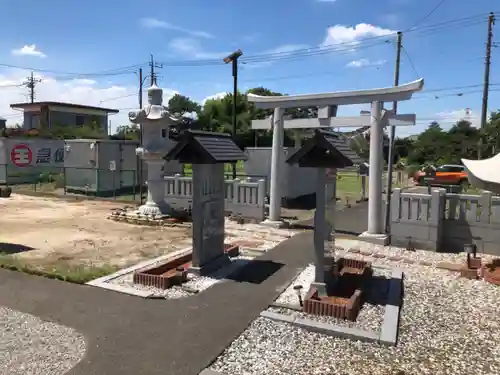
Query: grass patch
[[72, 274]]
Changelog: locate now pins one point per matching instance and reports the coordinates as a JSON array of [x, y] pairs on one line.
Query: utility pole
[[30, 84], [399, 45], [233, 58], [139, 160], [486, 90], [152, 66]]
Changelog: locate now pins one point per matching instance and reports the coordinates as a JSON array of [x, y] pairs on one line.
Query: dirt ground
[[47, 231]]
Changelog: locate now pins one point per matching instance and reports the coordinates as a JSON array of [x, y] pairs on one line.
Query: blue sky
[[94, 36]]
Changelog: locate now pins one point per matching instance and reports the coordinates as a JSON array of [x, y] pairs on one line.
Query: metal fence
[[122, 184]]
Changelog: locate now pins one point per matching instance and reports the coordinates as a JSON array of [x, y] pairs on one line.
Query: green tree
[[463, 139], [431, 146], [491, 135], [130, 132]]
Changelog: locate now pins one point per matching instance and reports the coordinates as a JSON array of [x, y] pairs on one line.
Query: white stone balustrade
[[244, 198]]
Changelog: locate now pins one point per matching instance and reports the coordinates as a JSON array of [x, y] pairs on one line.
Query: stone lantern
[[154, 120]]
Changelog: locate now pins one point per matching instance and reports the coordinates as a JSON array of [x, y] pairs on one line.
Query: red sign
[[21, 155]]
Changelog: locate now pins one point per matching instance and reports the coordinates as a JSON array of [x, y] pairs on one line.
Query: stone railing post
[[438, 207], [486, 206], [177, 184], [236, 191], [396, 205], [261, 192]]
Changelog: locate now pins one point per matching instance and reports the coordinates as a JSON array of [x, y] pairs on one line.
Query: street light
[[233, 58]]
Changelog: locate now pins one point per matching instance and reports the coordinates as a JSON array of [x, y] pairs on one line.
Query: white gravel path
[[30, 346], [449, 325]]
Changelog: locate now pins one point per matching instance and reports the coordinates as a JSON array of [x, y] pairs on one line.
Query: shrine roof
[[200, 147], [325, 150]]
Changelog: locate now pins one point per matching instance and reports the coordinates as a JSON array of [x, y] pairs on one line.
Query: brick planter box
[[173, 272], [338, 307], [165, 275], [350, 276], [491, 272]]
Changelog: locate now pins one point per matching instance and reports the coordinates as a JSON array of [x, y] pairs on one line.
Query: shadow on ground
[[13, 248], [377, 290], [255, 271]]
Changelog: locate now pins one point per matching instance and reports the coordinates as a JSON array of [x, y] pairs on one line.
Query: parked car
[[448, 174]]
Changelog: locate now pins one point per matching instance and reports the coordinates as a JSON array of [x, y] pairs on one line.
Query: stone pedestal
[[155, 204]]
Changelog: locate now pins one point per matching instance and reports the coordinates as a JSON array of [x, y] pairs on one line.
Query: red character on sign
[[21, 155]]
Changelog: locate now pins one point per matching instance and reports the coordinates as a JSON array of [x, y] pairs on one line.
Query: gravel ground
[[30, 346], [392, 251], [449, 325], [370, 317], [196, 283]]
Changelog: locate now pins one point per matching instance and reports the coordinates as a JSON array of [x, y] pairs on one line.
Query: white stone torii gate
[[327, 104]]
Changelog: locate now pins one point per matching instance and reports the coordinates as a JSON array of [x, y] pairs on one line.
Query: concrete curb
[[103, 282], [323, 328], [390, 326], [207, 371]]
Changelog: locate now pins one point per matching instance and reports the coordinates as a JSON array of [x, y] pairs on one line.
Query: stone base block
[[469, 273], [274, 223], [377, 239], [211, 266]]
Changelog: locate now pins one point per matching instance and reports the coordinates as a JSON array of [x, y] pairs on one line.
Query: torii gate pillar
[[375, 232], [275, 185]]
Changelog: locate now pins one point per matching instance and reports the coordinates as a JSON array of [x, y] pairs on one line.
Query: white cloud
[[361, 63], [82, 82], [78, 91], [191, 48], [29, 50], [219, 95], [154, 23], [451, 117], [338, 34]]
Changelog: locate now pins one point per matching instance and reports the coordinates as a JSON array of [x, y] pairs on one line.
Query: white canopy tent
[[484, 174]]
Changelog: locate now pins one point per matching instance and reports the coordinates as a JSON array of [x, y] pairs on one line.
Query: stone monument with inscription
[[155, 121], [207, 152]]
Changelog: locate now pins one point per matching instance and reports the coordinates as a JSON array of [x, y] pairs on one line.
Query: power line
[[410, 61], [109, 72], [117, 97], [459, 94], [428, 14], [338, 47]]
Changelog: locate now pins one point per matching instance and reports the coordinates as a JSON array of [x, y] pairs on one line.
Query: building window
[[80, 120]]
